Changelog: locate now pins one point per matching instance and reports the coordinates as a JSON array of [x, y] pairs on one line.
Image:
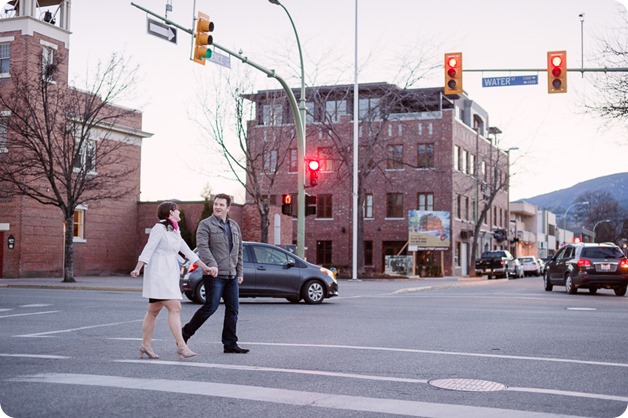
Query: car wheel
[[593, 290], [546, 281], [620, 291], [190, 296], [313, 292], [199, 294], [292, 299], [569, 287]]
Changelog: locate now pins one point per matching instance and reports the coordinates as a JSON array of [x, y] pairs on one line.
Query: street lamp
[[595, 226], [300, 147], [565, 219]]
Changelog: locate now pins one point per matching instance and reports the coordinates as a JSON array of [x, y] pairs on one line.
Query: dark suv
[[590, 266]]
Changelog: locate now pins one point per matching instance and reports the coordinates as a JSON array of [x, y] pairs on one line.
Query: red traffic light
[[557, 72], [453, 73], [313, 165]]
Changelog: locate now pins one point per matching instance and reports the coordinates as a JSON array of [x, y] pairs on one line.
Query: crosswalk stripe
[[285, 396]]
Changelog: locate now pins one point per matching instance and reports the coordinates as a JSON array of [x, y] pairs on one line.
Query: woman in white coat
[[161, 277]]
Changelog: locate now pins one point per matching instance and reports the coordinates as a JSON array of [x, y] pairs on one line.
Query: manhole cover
[[467, 385]]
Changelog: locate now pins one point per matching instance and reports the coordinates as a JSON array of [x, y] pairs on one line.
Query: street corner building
[[34, 48]]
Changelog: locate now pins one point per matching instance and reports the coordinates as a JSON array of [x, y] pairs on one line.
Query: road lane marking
[[285, 396], [46, 356], [35, 305], [27, 314], [45, 334], [366, 377], [446, 353]]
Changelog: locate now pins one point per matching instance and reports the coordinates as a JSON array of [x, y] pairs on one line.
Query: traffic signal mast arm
[[297, 121], [529, 70]]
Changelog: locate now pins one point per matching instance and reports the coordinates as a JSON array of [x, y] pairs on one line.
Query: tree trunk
[[68, 259]]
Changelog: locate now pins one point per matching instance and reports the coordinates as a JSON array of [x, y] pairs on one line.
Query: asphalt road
[[503, 348]]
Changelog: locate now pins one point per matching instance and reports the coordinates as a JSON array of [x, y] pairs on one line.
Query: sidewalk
[[129, 284]]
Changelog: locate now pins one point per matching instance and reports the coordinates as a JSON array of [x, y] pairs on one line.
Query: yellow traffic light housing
[[202, 38], [453, 73], [557, 72]]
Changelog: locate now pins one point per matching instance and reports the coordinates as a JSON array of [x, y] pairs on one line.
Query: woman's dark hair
[[163, 211]]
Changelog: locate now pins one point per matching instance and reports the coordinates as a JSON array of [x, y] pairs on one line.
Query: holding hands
[[211, 271]]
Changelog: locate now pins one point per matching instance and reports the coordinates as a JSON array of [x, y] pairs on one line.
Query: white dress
[[161, 272]]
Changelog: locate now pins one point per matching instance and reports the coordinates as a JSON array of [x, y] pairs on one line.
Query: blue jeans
[[215, 288]]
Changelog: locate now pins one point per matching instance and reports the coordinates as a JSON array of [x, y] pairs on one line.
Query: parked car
[[531, 265], [590, 266], [271, 271], [499, 263]]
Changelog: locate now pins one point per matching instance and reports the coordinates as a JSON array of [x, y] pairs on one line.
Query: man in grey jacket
[[219, 244]]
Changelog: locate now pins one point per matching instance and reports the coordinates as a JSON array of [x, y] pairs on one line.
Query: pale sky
[[559, 145]]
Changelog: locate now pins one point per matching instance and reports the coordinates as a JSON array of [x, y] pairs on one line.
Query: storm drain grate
[[467, 385]]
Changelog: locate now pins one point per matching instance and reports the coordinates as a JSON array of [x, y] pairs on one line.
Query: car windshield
[[602, 252]]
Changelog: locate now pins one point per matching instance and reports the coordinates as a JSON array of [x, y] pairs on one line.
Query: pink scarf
[[175, 224]]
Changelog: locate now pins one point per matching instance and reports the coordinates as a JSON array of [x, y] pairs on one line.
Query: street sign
[[220, 59], [161, 30], [519, 80]]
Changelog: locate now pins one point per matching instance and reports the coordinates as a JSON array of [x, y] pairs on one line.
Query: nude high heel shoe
[[148, 351], [185, 353]]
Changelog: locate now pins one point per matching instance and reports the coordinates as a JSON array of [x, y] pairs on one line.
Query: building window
[[309, 112], [87, 157], [457, 255], [270, 161], [425, 201], [5, 60], [368, 108], [425, 157], [457, 157], [463, 163], [324, 206], [323, 253], [395, 157], [335, 109], [4, 132], [472, 168], [325, 158], [466, 208], [272, 114], [368, 253], [292, 164], [78, 225], [458, 206], [483, 170], [47, 64], [394, 205], [368, 205]]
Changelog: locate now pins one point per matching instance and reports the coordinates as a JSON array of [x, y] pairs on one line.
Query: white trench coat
[[161, 272]]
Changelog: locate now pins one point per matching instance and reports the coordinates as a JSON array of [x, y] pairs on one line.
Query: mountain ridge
[[615, 184]]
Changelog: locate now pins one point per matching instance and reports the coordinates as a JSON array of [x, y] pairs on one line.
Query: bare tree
[[253, 164], [59, 149], [602, 207]]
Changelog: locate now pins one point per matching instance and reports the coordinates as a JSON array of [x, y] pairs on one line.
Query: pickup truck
[[497, 264]]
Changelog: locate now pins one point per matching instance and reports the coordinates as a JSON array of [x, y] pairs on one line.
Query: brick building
[[422, 151], [33, 37]]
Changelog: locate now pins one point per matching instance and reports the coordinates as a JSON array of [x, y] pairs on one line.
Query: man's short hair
[[223, 196]]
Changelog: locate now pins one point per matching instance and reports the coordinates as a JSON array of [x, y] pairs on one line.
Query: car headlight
[[329, 273]]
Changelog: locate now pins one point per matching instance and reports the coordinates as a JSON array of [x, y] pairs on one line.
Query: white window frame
[[47, 59], [80, 224], [5, 59]]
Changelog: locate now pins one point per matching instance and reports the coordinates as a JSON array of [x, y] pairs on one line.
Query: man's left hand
[[240, 279]]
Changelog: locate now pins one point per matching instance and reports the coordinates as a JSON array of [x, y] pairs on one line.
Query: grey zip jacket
[[213, 246]]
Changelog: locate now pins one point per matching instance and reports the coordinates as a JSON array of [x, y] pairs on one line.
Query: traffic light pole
[[299, 124]]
